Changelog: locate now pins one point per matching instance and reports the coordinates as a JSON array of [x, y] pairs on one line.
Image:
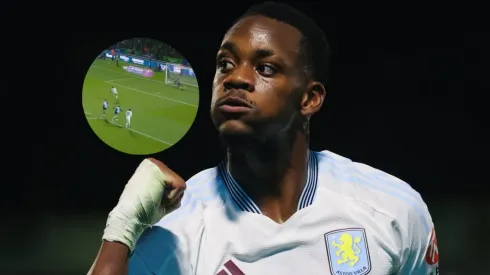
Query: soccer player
[[114, 92], [273, 206], [105, 105], [129, 114], [177, 83], [117, 110]]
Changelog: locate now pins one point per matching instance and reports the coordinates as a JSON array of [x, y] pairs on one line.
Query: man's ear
[[313, 99]]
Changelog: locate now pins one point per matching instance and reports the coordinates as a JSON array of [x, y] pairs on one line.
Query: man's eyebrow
[[258, 53], [265, 52], [229, 46]]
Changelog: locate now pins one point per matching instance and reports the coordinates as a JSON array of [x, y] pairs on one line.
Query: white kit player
[[129, 114], [272, 206], [114, 92], [117, 111], [105, 105]]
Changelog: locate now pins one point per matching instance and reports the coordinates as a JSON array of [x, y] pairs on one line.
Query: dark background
[[407, 96]]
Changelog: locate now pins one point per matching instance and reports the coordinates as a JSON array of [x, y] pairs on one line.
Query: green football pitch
[[162, 113]]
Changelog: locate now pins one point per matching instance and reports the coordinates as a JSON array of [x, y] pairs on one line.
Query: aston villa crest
[[348, 251]]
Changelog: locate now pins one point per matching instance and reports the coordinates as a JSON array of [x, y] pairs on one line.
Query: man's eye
[[266, 69], [225, 65]]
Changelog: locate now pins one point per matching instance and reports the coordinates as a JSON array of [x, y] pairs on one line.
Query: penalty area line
[[150, 94], [143, 134], [130, 129], [121, 79]]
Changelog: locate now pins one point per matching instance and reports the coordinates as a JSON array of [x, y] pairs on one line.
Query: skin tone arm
[[112, 259]]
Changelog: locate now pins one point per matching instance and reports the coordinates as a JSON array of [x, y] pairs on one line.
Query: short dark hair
[[314, 51]]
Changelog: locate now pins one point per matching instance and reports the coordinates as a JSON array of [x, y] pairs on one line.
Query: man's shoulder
[[202, 189], [183, 224], [204, 186], [380, 190], [206, 175]]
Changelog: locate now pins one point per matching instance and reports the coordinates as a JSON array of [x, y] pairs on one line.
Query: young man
[[178, 83], [117, 110], [114, 92], [105, 105], [129, 114], [273, 206]]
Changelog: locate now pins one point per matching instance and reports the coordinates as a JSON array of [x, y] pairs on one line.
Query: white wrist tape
[[139, 207]]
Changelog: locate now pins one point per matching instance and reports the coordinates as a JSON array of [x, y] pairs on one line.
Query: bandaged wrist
[[139, 207]]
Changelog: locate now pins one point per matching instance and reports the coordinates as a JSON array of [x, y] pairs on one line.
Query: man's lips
[[234, 105]]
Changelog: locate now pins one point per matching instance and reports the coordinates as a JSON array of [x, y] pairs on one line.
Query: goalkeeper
[[178, 83]]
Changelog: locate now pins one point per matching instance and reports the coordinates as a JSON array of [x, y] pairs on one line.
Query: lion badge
[[348, 251]]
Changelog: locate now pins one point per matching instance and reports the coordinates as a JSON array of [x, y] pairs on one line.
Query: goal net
[[181, 77]]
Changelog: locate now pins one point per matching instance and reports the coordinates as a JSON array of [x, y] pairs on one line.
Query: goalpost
[[181, 77]]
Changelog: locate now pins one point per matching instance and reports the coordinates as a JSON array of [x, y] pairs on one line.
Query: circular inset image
[[140, 96]]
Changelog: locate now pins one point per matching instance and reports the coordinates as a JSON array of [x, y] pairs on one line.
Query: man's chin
[[235, 128], [237, 136]]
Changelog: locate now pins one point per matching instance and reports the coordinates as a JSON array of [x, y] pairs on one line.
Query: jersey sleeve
[[159, 252], [421, 255], [169, 247], [137, 265]]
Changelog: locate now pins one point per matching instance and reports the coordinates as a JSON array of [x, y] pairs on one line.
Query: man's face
[[259, 82]]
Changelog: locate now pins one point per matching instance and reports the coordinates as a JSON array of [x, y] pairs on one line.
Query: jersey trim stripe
[[309, 191], [245, 203], [241, 199]]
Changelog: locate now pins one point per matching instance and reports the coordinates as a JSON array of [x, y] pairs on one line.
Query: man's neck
[[272, 173]]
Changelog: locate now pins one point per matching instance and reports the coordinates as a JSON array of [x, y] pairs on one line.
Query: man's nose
[[242, 78]]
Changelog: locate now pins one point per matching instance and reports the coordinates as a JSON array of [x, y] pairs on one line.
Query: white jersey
[[129, 114], [114, 91], [105, 105], [352, 219]]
